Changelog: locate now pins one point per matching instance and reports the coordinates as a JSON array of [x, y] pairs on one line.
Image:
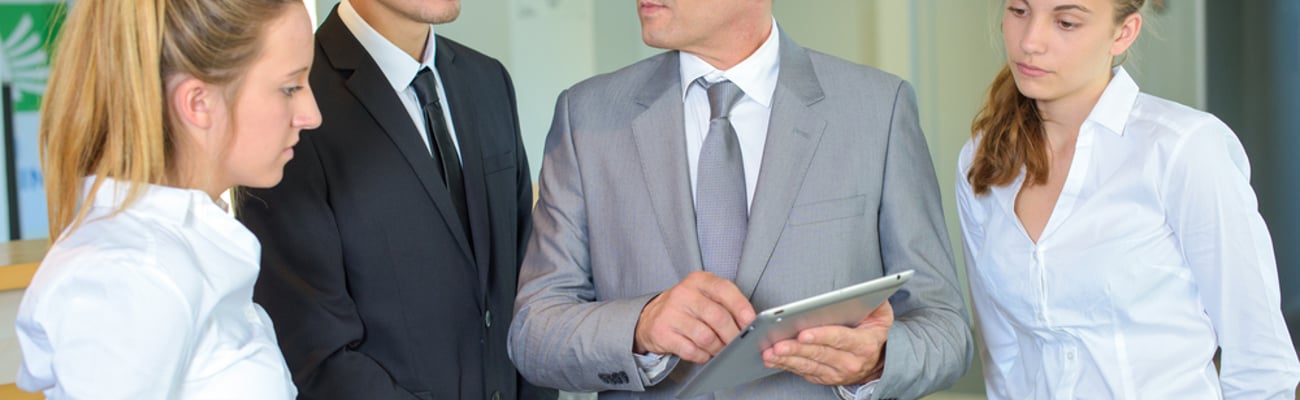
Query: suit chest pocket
[[499, 162], [827, 210]]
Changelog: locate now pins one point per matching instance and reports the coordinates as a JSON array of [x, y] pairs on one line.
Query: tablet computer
[[742, 360]]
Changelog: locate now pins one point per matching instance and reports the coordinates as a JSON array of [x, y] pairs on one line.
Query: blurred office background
[[1237, 59]]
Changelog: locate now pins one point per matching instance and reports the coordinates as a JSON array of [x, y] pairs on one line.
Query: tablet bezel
[[742, 360]]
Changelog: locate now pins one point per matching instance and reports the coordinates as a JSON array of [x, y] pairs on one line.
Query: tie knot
[[426, 87], [722, 96]]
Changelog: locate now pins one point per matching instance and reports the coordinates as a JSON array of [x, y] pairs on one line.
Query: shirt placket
[[1062, 349]]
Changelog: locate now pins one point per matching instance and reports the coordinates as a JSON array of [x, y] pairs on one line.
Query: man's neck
[[724, 53], [410, 36]]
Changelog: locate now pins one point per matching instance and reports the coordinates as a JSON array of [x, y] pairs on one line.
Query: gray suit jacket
[[846, 193]]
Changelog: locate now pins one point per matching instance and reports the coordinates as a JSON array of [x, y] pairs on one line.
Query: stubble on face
[[426, 11]]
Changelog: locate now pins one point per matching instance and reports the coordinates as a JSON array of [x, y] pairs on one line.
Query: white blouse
[[1154, 256], [153, 303]]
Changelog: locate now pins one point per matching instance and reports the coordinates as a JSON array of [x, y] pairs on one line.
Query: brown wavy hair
[[1010, 130], [104, 112]]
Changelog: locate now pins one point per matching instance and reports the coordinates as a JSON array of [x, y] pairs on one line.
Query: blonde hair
[[105, 112]]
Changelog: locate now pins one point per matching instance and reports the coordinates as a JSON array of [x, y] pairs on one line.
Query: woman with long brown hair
[[154, 108], [1113, 243]]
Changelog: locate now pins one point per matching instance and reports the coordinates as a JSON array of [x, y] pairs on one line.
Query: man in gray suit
[[738, 172]]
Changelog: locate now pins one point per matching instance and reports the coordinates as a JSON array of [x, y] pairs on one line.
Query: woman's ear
[[193, 102], [1126, 34]]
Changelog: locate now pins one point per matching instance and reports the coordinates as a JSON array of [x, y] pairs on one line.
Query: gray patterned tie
[[721, 211]]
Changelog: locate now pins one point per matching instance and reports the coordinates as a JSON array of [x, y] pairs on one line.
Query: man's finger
[[719, 321], [881, 316], [835, 336], [725, 293], [810, 369], [700, 334], [685, 349]]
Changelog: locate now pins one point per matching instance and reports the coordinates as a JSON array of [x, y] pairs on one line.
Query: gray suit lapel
[[661, 147], [794, 131]]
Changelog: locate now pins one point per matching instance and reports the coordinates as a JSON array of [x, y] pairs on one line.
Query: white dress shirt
[[400, 69], [756, 76], [155, 302], [1154, 256]]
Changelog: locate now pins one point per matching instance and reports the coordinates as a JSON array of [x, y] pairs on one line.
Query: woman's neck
[[188, 177], [1063, 117]]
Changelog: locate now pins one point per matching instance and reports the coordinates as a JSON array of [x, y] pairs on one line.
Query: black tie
[[444, 150]]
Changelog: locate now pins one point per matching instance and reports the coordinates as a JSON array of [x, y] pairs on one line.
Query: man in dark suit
[[391, 248]]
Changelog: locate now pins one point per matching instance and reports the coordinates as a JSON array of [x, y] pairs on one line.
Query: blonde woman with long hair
[[154, 108], [1113, 243]]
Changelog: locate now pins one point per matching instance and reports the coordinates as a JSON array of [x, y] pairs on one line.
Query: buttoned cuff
[[654, 367], [857, 392]]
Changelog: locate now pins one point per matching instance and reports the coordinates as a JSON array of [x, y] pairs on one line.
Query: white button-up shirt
[[756, 75], [1154, 256], [155, 302]]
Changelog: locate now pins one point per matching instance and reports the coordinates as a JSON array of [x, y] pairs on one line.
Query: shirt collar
[[397, 66], [165, 203], [1116, 103], [756, 75], [190, 208]]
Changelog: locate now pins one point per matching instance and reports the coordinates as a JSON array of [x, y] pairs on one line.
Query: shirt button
[[1069, 355], [487, 318]]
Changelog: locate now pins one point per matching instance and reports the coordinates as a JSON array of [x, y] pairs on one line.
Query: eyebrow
[[1063, 7], [1072, 7], [296, 71]]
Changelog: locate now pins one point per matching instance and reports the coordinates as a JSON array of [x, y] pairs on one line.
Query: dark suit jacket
[[374, 288]]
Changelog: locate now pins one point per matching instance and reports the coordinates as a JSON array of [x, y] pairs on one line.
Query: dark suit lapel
[[463, 116], [794, 132], [661, 147], [372, 90]]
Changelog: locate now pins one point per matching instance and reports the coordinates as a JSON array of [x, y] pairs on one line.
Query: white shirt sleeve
[[1213, 213], [654, 367], [114, 331], [998, 345], [857, 392]]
